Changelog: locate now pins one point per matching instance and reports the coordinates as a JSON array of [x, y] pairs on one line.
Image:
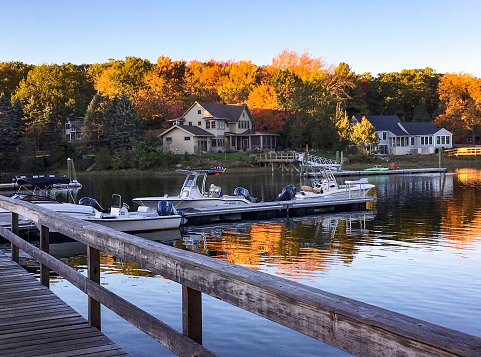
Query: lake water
[[417, 251]]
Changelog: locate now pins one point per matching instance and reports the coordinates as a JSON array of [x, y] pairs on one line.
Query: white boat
[[118, 217], [325, 185], [191, 196]]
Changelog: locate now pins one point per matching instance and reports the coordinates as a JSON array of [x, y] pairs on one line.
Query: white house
[[211, 127], [401, 138]]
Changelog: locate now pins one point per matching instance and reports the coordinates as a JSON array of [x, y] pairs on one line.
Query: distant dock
[[387, 172]]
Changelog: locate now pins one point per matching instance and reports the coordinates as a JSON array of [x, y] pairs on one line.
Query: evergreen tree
[[94, 129], [6, 116], [124, 121]]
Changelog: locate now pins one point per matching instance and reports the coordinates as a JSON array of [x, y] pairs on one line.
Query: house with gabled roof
[[402, 138], [212, 127]]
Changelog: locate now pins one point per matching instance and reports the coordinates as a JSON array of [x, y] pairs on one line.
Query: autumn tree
[[344, 126], [202, 81], [238, 81], [11, 74], [163, 93], [461, 97], [121, 76], [65, 89], [364, 135]]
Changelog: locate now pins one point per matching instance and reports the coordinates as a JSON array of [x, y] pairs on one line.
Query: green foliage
[[66, 89], [103, 159], [121, 160], [364, 135], [399, 93]]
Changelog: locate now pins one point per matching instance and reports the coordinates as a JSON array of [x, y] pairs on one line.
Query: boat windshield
[[190, 181]]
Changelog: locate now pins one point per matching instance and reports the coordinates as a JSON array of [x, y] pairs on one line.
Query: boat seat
[[307, 188], [184, 193]]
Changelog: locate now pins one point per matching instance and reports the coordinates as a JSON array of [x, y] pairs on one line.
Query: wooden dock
[[35, 322], [349, 325], [276, 209]]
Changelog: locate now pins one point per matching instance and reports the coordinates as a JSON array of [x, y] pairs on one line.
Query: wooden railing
[[358, 328], [464, 151], [277, 157]]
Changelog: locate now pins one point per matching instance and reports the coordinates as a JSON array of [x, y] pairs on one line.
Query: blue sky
[[371, 36]]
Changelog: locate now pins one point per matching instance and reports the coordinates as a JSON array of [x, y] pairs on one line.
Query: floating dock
[[269, 210]]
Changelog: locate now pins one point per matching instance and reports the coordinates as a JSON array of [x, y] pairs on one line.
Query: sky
[[373, 36]]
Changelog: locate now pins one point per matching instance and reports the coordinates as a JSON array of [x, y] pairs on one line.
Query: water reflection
[[293, 247]]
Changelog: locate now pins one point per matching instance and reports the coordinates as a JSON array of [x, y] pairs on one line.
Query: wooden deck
[[35, 322]]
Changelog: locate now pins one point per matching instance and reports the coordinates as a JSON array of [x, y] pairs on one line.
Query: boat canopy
[[42, 182]]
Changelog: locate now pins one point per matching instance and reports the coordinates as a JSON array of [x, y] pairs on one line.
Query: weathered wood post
[[192, 313], [45, 246], [93, 267], [15, 253]]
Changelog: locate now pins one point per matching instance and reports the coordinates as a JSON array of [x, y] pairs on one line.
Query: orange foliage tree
[[303, 65], [461, 96]]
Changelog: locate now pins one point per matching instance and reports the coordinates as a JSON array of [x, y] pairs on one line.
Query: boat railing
[[330, 318]]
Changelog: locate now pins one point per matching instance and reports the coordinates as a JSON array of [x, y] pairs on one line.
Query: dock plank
[[35, 322]]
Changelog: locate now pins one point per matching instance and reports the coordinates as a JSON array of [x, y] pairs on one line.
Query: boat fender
[[165, 208], [288, 193], [92, 202]]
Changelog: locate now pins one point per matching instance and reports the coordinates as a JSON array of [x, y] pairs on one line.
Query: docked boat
[[193, 196], [325, 185], [118, 216]]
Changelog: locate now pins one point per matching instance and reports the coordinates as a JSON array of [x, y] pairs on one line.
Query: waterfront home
[[212, 127], [402, 138], [73, 130]]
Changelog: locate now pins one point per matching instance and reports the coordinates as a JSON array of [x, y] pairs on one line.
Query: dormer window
[[199, 111]]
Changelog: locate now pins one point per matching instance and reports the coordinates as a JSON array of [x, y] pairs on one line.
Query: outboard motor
[[288, 193], [92, 202], [241, 191], [165, 208]]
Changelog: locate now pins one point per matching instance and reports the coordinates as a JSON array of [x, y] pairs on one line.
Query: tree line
[[298, 96]]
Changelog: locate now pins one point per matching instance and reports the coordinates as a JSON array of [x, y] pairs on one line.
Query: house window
[[186, 138], [207, 124], [168, 140], [413, 141], [438, 140], [430, 140], [384, 135], [212, 124], [199, 111], [447, 140], [67, 126], [199, 123], [190, 123], [220, 125], [443, 140]]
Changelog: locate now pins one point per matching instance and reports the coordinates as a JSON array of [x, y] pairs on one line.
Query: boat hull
[[139, 224], [196, 203]]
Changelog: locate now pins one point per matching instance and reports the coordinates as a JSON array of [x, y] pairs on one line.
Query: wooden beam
[[44, 246], [15, 252], [192, 313], [93, 267]]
